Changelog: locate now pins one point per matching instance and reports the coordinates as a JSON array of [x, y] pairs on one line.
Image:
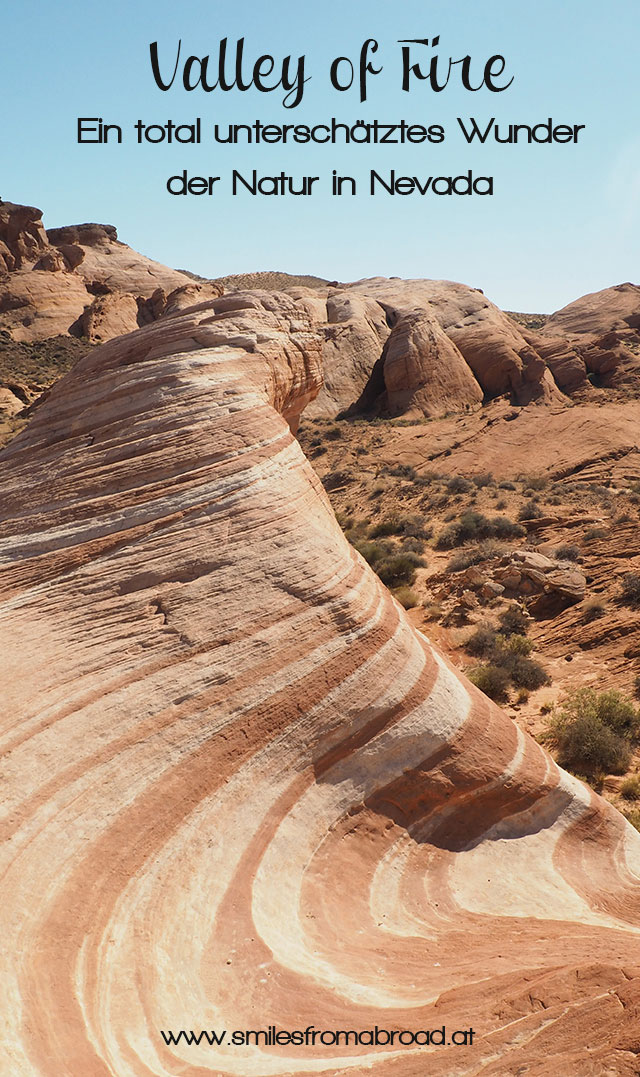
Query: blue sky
[[564, 219]]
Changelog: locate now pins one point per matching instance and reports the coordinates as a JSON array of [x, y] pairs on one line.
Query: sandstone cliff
[[239, 788], [80, 280]]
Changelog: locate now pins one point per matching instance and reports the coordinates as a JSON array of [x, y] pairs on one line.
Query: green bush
[[373, 552], [510, 654], [527, 673], [584, 743], [514, 621], [515, 644], [475, 525], [395, 570], [492, 680], [593, 731], [482, 642]]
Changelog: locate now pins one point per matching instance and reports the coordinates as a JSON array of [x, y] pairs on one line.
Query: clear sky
[[564, 219]]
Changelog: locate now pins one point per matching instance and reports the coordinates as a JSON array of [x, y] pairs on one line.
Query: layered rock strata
[[239, 789]]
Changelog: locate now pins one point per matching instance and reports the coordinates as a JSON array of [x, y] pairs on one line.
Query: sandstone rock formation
[[614, 309], [239, 789], [80, 280], [604, 328], [391, 347]]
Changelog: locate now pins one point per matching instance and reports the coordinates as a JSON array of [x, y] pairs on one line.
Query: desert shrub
[[334, 479], [475, 525], [492, 680], [401, 471], [462, 559], [630, 592], [483, 480], [501, 504], [612, 708], [406, 597], [522, 696], [515, 644], [475, 555], [506, 485], [416, 527], [412, 544], [433, 611], [514, 621], [389, 526], [396, 569], [594, 607], [373, 552], [586, 744], [317, 451], [355, 530], [529, 510], [630, 788], [535, 482], [528, 673], [377, 491], [593, 729], [482, 642], [459, 485], [469, 525], [509, 654], [593, 533], [411, 526], [567, 552], [503, 527], [333, 433]]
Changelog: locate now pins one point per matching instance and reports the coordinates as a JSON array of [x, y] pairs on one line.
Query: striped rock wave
[[239, 790]]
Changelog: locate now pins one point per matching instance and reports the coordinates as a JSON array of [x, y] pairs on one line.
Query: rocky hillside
[[391, 348], [241, 789]]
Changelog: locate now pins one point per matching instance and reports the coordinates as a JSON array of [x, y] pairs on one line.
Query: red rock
[[237, 782]]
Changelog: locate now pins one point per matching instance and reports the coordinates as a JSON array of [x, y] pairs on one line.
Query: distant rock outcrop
[[604, 328], [240, 791], [80, 280], [614, 309], [390, 347]]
